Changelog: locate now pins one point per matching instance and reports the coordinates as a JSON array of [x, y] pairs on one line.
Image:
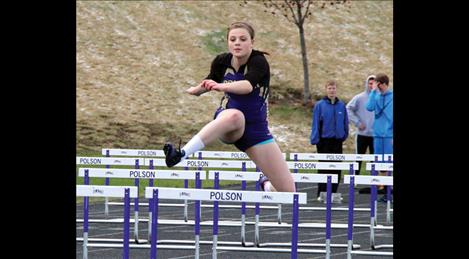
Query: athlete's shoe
[[262, 181], [173, 156]]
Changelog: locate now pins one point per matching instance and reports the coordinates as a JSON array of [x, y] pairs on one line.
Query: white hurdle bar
[[140, 174], [125, 192], [224, 154], [228, 196], [366, 180], [341, 157], [108, 161], [132, 152]]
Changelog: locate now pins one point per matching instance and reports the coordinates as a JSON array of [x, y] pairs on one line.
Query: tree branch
[[297, 22]]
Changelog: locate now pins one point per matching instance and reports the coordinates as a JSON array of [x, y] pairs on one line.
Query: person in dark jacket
[[330, 127]]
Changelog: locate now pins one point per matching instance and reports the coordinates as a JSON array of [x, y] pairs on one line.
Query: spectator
[[328, 131], [363, 120], [381, 103]]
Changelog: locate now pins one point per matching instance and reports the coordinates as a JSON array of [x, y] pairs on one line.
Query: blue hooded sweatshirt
[[357, 112], [329, 120], [382, 105]]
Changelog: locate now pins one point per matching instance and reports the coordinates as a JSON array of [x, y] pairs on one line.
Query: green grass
[[215, 42]]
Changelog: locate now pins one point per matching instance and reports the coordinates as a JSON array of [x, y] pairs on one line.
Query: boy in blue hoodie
[[329, 130], [381, 103]]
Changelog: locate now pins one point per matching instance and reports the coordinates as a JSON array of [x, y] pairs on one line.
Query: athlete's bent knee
[[235, 119]]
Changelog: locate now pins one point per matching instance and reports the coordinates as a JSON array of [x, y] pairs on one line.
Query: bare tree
[[296, 11]]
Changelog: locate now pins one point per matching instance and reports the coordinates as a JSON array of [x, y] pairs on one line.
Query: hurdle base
[[227, 223], [372, 253], [141, 246], [382, 247], [111, 240], [229, 206], [226, 248], [269, 250], [205, 242], [355, 246]]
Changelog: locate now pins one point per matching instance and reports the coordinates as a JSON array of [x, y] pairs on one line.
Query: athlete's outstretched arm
[[237, 87], [198, 90]]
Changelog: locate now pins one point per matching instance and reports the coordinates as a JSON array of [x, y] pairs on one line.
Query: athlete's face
[[239, 42]]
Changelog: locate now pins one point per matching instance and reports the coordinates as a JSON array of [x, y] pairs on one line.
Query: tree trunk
[[306, 92]]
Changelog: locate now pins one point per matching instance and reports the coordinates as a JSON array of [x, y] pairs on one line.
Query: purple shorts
[[254, 133]]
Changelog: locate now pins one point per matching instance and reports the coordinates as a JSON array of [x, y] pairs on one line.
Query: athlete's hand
[[197, 90], [208, 84]]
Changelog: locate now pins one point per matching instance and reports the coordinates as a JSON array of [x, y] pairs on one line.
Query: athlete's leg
[[228, 126], [269, 159]]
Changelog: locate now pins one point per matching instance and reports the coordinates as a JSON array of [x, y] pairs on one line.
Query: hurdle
[[141, 174], [248, 164], [300, 165], [236, 155], [125, 192], [228, 196], [368, 180], [107, 162], [344, 157], [145, 153], [190, 163], [374, 168]]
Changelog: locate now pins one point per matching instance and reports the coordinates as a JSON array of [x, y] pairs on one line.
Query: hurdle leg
[[197, 219], [374, 195], [154, 224], [149, 220], [150, 211], [85, 228], [388, 206], [279, 214], [197, 229], [243, 217], [372, 235], [106, 207], [294, 238], [85, 219], [256, 230], [328, 216], [215, 218], [350, 217], [373, 216], [186, 185], [243, 227], [257, 241], [106, 199], [126, 224], [136, 208], [388, 202]]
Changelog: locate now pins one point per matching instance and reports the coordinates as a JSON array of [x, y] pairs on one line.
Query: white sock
[[194, 145], [268, 187]]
